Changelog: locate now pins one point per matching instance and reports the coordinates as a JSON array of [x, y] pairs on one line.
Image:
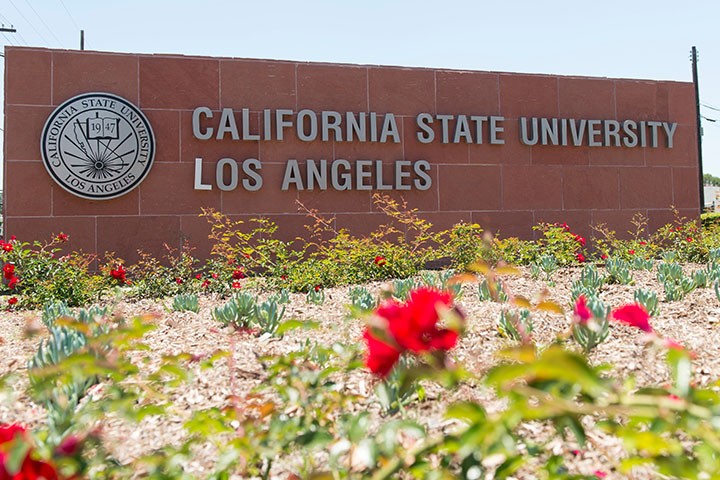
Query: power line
[[710, 107], [43, 22], [29, 23], [70, 14]]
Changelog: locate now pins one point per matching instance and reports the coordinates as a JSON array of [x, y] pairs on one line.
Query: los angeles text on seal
[[97, 146]]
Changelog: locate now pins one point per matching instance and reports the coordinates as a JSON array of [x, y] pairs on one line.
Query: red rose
[[9, 431], [214, 275], [581, 311], [235, 284], [689, 239], [380, 357], [62, 237], [7, 247], [12, 283], [12, 301], [413, 325], [643, 242], [198, 276], [119, 273], [631, 252], [238, 274], [317, 288], [8, 270], [604, 256], [580, 257], [179, 281], [380, 261], [206, 283], [634, 315]]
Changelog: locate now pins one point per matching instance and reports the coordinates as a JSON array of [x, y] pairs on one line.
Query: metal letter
[[379, 185], [331, 121], [301, 125], [356, 126], [423, 122], [227, 124], [390, 128], [250, 168], [361, 174], [292, 175], [670, 131], [524, 138], [462, 130], [495, 129], [198, 176], [246, 126], [281, 123], [220, 174], [316, 174], [424, 182], [594, 129], [335, 176], [631, 138], [207, 135], [400, 174]]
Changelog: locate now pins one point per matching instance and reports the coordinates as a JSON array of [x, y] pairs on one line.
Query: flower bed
[[293, 404]]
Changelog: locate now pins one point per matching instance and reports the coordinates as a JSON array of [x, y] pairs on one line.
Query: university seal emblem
[[97, 146]]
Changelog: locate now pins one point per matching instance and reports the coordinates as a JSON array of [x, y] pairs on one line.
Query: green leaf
[[289, 325], [681, 368]]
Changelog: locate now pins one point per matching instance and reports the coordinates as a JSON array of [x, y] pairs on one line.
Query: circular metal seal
[[97, 146]]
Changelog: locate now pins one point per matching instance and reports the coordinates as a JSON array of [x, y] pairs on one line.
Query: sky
[[609, 38]]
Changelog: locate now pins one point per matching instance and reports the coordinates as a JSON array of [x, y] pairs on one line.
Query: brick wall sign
[[122, 151]]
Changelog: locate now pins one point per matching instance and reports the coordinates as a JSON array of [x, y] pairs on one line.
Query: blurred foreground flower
[[410, 326]]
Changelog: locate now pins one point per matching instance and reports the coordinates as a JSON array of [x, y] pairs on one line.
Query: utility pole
[[694, 60], [82, 39]]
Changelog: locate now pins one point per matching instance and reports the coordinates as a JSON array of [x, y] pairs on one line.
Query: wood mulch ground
[[692, 322]]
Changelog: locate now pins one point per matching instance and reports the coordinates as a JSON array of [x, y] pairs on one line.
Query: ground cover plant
[[484, 370]]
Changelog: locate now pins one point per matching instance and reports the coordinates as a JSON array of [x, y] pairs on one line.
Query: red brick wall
[[506, 188]]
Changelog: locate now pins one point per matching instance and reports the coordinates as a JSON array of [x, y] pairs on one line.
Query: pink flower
[[633, 315], [68, 447], [581, 311], [600, 474]]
